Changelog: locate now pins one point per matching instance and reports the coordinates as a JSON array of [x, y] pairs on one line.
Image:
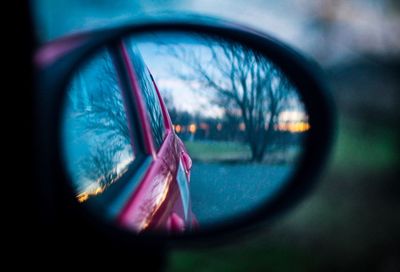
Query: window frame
[[164, 110], [139, 95]]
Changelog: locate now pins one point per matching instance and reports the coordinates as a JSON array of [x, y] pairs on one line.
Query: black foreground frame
[[61, 210]]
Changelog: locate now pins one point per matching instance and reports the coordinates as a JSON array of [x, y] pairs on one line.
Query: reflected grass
[[237, 152], [217, 150]]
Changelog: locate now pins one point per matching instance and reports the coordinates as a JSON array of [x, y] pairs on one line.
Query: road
[[220, 191]]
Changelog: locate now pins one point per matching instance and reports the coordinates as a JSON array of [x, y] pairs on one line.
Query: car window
[[150, 97], [96, 136]]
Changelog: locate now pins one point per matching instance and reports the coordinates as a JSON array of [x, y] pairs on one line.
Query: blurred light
[[82, 197], [178, 128], [85, 195], [192, 128], [219, 126], [293, 127], [242, 126], [204, 126]]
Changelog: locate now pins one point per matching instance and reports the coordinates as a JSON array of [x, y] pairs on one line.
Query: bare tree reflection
[[245, 84], [99, 166], [101, 126], [105, 112]]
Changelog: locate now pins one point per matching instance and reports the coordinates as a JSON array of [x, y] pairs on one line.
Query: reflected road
[[221, 190]]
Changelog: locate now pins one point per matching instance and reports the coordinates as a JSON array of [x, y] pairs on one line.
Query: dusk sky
[[186, 96]]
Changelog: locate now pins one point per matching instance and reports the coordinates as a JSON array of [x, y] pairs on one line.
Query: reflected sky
[[166, 68]]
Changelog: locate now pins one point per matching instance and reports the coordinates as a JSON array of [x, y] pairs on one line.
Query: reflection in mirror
[[95, 129], [219, 132]]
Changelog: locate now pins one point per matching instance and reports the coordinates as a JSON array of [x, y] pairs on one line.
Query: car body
[[152, 192]]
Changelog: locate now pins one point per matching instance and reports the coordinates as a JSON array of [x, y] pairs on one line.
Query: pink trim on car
[[166, 117], [148, 139], [151, 202]]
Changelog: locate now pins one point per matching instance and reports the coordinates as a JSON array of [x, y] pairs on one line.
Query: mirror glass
[[177, 132]]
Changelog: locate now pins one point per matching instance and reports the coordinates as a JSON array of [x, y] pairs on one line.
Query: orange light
[[85, 195], [242, 126], [82, 197], [294, 127], [178, 128], [192, 128]]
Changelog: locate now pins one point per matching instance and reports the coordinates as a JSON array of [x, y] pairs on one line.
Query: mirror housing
[[57, 63]]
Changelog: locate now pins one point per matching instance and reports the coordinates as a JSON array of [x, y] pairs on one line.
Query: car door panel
[[157, 197]]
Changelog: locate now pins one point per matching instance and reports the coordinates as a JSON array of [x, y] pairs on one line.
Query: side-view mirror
[[177, 130]]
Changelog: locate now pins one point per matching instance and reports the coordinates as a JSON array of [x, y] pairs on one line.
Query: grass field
[[217, 151]]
